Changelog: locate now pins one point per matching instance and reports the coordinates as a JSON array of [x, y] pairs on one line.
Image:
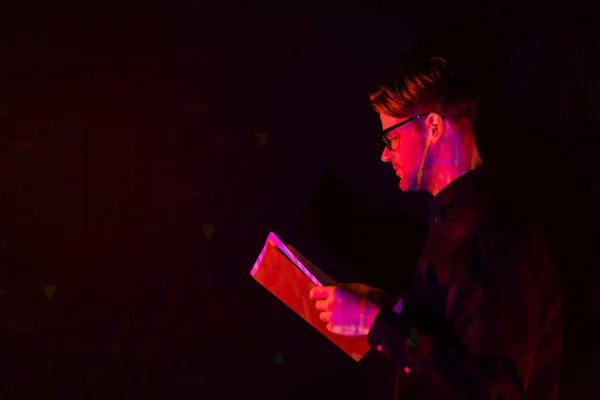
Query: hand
[[346, 313], [378, 297]]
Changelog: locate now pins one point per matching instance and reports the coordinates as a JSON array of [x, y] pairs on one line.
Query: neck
[[444, 174]]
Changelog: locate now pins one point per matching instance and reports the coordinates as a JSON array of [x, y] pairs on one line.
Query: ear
[[434, 124]]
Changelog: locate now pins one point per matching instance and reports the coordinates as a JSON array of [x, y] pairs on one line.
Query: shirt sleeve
[[483, 346], [398, 307]]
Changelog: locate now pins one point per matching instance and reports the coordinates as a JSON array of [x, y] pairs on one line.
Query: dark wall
[[128, 131]]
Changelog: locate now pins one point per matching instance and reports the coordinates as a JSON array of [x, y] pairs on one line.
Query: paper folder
[[280, 270]]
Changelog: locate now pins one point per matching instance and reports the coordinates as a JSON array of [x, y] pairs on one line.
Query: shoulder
[[501, 215], [509, 238]]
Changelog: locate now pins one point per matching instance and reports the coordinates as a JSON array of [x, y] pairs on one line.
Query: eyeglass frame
[[386, 141]]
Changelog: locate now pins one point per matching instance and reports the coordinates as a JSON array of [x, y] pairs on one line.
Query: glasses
[[387, 141]]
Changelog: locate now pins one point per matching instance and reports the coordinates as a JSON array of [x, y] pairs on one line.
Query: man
[[483, 319]]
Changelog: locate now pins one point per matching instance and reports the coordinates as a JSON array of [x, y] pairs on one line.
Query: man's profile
[[483, 317]]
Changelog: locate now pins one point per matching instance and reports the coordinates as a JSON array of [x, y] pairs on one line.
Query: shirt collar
[[462, 188]]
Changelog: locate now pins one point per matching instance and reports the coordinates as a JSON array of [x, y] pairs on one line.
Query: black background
[[127, 128]]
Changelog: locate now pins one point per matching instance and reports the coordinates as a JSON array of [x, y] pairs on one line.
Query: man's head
[[428, 112]]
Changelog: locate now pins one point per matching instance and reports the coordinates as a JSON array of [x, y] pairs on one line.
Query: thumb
[[355, 288]]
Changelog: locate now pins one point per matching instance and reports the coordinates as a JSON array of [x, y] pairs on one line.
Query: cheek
[[409, 158], [410, 154]]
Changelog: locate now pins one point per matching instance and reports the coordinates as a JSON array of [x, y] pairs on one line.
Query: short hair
[[426, 85]]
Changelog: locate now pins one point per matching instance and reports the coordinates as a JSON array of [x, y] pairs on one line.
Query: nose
[[386, 155]]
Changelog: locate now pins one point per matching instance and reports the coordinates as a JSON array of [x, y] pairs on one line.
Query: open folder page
[[280, 271]]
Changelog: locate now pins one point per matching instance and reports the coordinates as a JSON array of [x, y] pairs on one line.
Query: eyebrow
[[391, 128], [389, 134]]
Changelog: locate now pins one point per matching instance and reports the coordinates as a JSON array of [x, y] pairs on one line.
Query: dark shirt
[[483, 318]]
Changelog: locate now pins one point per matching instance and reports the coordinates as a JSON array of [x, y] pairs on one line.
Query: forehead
[[387, 121]]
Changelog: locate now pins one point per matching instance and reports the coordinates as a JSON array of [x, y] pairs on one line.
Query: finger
[[325, 316], [330, 326], [321, 292], [345, 286], [355, 288], [322, 305]]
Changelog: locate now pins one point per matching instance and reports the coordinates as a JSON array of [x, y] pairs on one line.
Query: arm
[[482, 348]]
